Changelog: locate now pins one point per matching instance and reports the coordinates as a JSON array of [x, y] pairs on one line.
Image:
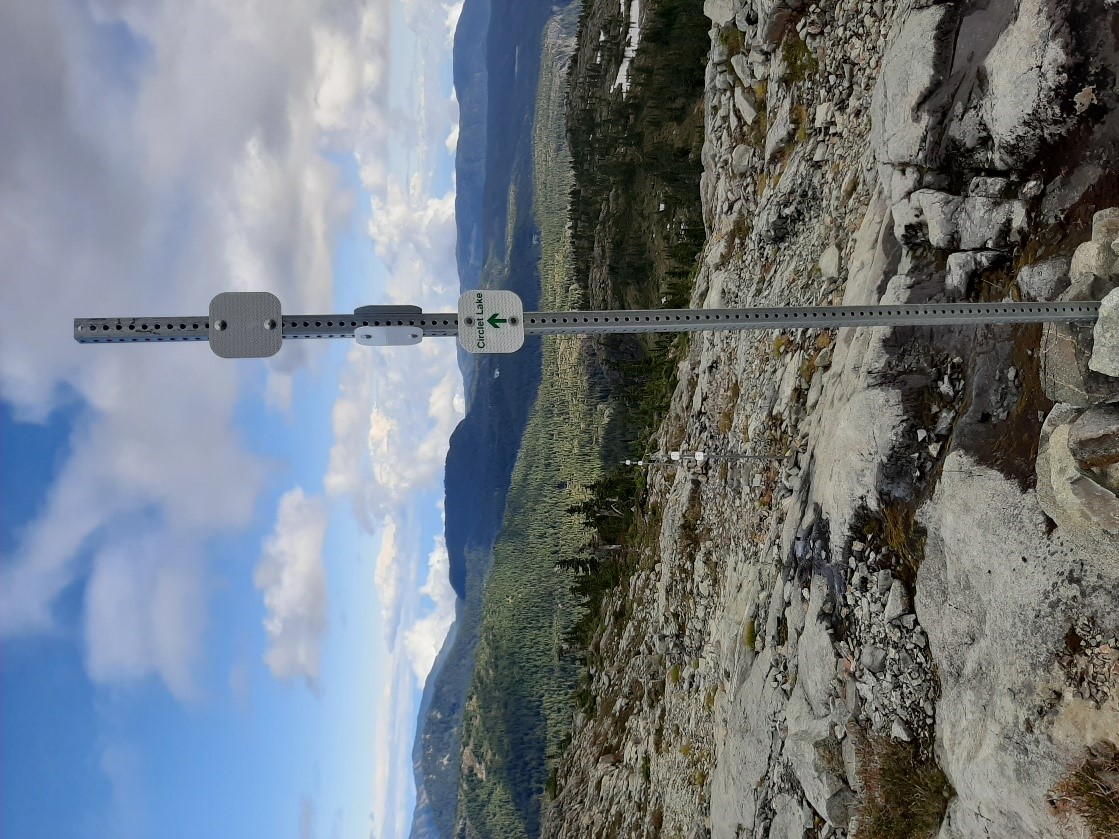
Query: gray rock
[[744, 103], [1045, 280], [808, 737], [1092, 259], [781, 129], [993, 640], [786, 822], [740, 158], [1023, 74], [1094, 437], [941, 215], [911, 68], [720, 11], [829, 262], [963, 268], [873, 659], [742, 67], [991, 223], [1066, 349], [1080, 495], [899, 731], [1105, 335], [1105, 226], [897, 604], [988, 187], [908, 222]]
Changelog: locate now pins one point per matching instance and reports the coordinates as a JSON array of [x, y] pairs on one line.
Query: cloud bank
[[156, 153], [292, 579]]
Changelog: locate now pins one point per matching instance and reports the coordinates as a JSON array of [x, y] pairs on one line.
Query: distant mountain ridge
[[496, 66]]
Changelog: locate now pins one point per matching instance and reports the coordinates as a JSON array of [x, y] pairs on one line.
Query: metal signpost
[[251, 325]]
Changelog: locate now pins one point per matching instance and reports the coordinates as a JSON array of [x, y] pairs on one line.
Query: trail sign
[[491, 322]]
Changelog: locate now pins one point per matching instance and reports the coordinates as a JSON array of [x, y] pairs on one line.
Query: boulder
[[1045, 280], [1090, 260], [873, 659], [720, 12], [908, 222], [781, 129], [744, 103], [897, 604], [829, 262], [1023, 74], [963, 268], [740, 158], [941, 214], [809, 739], [1094, 437], [971, 223], [988, 187], [741, 66], [1066, 349], [786, 822], [1079, 494], [1105, 226], [1105, 335], [911, 68]]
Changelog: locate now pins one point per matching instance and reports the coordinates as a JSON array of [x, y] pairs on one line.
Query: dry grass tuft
[[1091, 792], [904, 538], [903, 798]]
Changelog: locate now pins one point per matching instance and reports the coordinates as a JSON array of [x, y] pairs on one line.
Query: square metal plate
[[245, 324], [491, 322]]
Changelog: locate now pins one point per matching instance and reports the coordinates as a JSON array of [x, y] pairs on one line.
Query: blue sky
[[221, 583]]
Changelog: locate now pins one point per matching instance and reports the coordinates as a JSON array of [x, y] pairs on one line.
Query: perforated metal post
[[446, 324]]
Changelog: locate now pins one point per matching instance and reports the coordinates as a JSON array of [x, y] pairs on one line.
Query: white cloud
[[141, 604], [424, 638], [142, 177], [293, 580], [386, 576]]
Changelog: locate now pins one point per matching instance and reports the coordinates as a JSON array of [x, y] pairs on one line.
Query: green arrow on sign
[[495, 321]]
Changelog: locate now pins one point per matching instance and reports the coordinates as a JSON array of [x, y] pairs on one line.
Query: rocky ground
[[934, 557]]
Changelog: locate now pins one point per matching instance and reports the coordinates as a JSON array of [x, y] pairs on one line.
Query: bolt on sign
[[491, 322]]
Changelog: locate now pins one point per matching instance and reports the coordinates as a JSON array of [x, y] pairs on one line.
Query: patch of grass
[[808, 367], [674, 674], [831, 756], [801, 121], [904, 538], [726, 418], [801, 62], [781, 344], [1091, 792], [732, 38], [903, 797], [709, 699], [750, 634]]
